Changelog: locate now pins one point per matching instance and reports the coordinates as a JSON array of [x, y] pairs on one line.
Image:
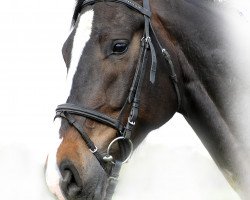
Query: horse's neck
[[205, 58], [210, 86], [198, 41]]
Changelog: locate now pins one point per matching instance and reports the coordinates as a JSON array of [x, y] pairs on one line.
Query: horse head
[[115, 95]]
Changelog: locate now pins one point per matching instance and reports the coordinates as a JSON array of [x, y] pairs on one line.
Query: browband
[[128, 3]]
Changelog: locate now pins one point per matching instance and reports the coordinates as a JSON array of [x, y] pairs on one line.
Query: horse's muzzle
[[71, 183], [74, 187]]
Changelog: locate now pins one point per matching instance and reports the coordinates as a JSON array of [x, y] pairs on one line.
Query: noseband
[[124, 132]]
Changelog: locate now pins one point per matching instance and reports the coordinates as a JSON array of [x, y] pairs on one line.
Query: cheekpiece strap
[[113, 180]]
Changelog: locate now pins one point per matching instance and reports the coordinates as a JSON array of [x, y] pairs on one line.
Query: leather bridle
[[66, 111]]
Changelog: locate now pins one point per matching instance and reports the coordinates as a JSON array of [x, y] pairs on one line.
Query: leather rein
[[66, 111]]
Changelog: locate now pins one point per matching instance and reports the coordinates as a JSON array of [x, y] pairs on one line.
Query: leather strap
[[137, 75], [148, 38], [137, 88], [129, 3], [168, 59], [73, 122], [91, 114], [113, 180]]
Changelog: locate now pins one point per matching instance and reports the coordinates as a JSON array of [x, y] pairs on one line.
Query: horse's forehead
[[81, 36], [115, 16], [114, 21]]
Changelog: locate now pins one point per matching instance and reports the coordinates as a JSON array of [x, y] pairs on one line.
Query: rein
[[66, 111]]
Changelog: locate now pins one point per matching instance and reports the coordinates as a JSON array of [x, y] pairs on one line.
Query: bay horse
[[131, 66]]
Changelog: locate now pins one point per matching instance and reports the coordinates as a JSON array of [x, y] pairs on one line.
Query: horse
[[131, 66]]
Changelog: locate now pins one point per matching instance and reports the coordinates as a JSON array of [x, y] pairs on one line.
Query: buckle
[[174, 78], [94, 151], [166, 54], [145, 40], [142, 41], [148, 39], [131, 122]]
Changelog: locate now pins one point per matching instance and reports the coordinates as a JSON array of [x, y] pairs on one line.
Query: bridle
[[66, 111]]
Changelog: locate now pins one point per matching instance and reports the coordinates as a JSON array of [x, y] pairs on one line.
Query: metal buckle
[[131, 122], [111, 178], [94, 151], [142, 41], [166, 54], [109, 148], [147, 39], [147, 42]]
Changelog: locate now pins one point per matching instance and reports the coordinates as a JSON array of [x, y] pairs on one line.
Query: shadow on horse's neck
[[194, 38]]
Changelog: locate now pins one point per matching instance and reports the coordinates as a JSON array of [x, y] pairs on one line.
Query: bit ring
[[130, 145]]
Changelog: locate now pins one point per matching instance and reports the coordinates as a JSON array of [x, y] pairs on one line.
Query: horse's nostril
[[71, 184]]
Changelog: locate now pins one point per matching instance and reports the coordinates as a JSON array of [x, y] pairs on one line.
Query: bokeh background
[[170, 164]]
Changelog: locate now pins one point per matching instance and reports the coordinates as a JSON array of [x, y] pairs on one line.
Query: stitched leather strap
[[173, 74], [73, 122], [137, 74], [113, 180], [151, 46], [137, 88], [129, 3], [91, 114]]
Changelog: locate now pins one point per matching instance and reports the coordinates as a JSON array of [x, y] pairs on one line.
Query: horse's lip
[[101, 188]]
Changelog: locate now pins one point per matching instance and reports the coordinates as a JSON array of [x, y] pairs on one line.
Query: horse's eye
[[120, 48]]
